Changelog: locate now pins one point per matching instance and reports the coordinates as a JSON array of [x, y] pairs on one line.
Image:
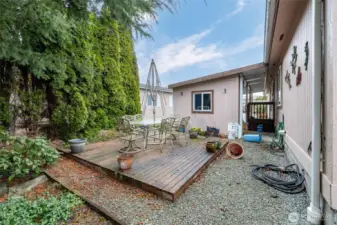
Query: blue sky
[[201, 39]]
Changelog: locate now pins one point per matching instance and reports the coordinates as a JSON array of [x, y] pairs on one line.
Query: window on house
[[202, 101], [150, 101], [279, 87], [153, 102]]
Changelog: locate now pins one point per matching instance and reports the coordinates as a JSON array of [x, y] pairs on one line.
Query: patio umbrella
[[153, 91]]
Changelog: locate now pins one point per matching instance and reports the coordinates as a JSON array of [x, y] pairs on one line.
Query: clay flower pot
[[125, 161], [235, 150]]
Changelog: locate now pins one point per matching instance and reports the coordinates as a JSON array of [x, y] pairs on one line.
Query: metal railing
[[261, 110]]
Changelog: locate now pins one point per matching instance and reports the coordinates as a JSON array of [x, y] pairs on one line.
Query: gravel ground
[[225, 193]]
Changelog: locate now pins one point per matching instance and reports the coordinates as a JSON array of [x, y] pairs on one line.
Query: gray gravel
[[227, 194]]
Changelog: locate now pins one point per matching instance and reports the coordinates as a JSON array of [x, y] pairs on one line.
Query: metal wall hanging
[[294, 59], [287, 79], [299, 76], [306, 50]]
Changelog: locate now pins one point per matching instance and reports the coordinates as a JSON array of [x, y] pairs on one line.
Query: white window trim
[[202, 101], [171, 100]]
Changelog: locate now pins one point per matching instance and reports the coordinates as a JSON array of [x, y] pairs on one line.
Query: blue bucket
[[252, 138], [182, 129]]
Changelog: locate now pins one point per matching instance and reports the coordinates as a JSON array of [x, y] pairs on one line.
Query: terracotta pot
[[235, 150], [125, 161]]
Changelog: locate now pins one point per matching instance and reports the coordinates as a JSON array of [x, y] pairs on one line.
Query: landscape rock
[[20, 189]]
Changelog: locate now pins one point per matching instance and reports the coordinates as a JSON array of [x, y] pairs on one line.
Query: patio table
[[146, 122], [145, 125]]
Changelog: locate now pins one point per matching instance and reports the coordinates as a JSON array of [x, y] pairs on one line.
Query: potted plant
[[125, 161], [194, 132], [211, 146], [77, 145], [202, 133]]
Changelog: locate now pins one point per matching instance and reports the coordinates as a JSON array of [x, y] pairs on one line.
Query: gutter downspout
[[269, 28], [314, 213], [240, 106]]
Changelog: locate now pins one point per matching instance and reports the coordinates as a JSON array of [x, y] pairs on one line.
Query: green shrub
[[50, 210], [88, 66], [71, 118], [21, 155], [195, 129], [31, 107], [5, 115], [202, 133]]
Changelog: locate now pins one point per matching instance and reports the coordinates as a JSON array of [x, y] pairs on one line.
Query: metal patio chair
[[181, 129], [163, 132], [129, 136], [129, 117]]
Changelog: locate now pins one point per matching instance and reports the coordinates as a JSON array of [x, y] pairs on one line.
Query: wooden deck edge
[[122, 177], [200, 170], [90, 164], [146, 187], [112, 218]]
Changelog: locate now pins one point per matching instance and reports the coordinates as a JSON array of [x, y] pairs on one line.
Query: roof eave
[[271, 13], [224, 74]]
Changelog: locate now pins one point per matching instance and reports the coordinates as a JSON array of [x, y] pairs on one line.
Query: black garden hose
[[288, 179]]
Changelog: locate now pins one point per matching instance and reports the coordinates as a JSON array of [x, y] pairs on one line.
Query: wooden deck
[[167, 174]]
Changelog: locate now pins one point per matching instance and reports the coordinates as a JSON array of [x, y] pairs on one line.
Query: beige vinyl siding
[[226, 105], [330, 91], [296, 102]]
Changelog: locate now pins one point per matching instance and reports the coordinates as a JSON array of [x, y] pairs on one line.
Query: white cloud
[[185, 52], [240, 5], [190, 51], [247, 44]]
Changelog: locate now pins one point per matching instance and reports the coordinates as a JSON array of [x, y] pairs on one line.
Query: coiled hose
[[286, 179]]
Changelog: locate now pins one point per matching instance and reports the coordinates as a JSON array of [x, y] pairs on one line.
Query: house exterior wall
[[167, 104], [296, 102], [330, 100], [226, 105]]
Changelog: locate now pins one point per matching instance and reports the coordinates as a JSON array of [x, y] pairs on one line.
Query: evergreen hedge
[[86, 64]]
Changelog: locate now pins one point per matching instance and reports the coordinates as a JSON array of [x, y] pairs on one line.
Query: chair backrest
[[166, 124], [123, 125], [129, 117], [184, 122], [138, 117]]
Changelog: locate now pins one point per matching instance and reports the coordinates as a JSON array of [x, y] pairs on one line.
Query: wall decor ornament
[[287, 79], [294, 59], [299, 76], [306, 50]]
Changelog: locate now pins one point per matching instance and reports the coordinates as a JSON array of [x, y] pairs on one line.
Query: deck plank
[[169, 163], [175, 178], [149, 166], [165, 181]]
